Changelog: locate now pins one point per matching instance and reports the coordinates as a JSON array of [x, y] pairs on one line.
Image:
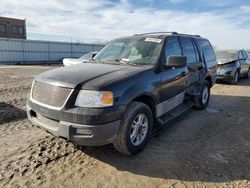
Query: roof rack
[[157, 33], [189, 34], [173, 33]]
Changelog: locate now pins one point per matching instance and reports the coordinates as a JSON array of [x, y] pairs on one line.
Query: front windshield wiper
[[126, 62]]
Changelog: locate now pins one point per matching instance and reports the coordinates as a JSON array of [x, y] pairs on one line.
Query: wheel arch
[[148, 100], [209, 80]]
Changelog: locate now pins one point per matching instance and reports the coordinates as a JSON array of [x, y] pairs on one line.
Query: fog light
[[84, 131], [32, 113]]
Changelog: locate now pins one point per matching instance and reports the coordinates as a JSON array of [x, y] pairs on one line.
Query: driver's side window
[[172, 47]]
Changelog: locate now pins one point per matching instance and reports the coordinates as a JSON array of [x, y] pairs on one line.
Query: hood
[[225, 61], [90, 75]]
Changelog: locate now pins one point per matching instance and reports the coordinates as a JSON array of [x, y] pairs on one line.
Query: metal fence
[[19, 51]]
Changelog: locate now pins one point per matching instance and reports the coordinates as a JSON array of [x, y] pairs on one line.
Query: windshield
[[226, 55], [138, 51], [87, 56]]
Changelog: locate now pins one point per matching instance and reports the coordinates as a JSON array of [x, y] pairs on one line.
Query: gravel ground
[[209, 148]]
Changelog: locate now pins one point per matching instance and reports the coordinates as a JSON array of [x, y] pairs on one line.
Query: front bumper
[[74, 127], [225, 74]]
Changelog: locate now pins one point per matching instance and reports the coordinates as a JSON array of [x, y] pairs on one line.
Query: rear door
[[196, 67], [208, 57]]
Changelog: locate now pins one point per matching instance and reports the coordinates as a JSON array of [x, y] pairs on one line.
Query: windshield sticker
[[153, 40]]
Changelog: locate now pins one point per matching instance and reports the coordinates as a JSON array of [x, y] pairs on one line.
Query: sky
[[226, 23]]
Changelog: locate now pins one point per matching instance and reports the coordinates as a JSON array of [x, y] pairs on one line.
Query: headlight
[[88, 98], [228, 66]]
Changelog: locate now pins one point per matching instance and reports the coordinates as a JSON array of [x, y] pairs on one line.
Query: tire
[[201, 101], [235, 79], [127, 140]]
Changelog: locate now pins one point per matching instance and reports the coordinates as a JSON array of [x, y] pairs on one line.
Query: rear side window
[[241, 55], [189, 50], [207, 50], [245, 54], [172, 47]]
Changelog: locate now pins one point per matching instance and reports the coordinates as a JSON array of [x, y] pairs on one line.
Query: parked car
[[134, 82], [83, 59], [233, 65]]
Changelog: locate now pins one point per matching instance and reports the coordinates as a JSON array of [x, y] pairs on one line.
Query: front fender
[[136, 91]]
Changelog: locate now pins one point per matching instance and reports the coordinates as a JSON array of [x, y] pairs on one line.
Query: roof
[[160, 33]]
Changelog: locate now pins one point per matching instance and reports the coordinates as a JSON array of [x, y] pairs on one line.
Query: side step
[[174, 113]]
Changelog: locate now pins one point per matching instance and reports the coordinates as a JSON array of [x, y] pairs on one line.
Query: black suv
[[133, 84]]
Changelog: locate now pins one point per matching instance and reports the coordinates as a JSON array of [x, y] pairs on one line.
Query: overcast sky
[[225, 22]]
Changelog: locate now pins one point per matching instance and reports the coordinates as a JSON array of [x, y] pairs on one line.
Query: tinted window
[[207, 50], [2, 28], [172, 47], [188, 50]]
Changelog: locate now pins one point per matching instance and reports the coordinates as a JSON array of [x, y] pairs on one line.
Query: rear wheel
[[235, 79], [202, 100], [135, 129]]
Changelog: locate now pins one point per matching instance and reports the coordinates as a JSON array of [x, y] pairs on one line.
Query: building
[[12, 28]]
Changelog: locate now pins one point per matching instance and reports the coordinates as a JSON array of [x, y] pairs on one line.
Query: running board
[[174, 113]]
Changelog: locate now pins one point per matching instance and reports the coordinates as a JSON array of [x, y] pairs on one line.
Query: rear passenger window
[[245, 54], [189, 50], [207, 50], [241, 55], [172, 47]]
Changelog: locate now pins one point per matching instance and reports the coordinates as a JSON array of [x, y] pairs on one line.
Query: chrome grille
[[50, 95]]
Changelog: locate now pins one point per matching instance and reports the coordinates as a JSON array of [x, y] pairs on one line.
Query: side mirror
[[176, 61]]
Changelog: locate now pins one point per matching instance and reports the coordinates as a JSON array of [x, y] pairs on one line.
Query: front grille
[[50, 95]]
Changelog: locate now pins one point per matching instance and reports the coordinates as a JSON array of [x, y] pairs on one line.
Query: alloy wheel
[[139, 129]]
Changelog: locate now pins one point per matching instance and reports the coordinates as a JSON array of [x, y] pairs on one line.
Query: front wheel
[[201, 101], [135, 129]]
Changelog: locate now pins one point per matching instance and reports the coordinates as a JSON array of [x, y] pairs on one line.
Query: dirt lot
[[209, 148]]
